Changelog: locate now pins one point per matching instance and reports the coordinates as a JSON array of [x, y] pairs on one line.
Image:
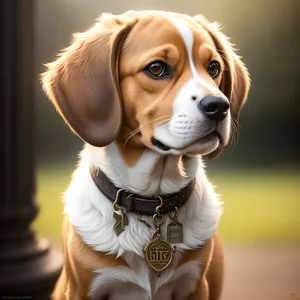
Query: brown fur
[[80, 261], [148, 102], [98, 86], [86, 74]]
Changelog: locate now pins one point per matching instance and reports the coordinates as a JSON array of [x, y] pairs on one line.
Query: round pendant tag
[[159, 254]]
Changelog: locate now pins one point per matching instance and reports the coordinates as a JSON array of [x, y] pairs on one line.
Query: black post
[[28, 267]]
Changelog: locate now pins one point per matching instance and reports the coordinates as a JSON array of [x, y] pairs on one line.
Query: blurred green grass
[[259, 206]]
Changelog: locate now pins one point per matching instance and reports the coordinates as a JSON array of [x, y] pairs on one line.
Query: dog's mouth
[[204, 139], [159, 144]]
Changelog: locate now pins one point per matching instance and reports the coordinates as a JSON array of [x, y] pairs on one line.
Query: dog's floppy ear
[[83, 82], [235, 81]]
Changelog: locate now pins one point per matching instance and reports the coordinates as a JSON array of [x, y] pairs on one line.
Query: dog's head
[[161, 80]]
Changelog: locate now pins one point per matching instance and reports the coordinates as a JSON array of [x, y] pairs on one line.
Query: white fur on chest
[[138, 282], [92, 216]]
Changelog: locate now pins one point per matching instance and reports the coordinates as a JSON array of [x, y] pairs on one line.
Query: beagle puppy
[[150, 93]]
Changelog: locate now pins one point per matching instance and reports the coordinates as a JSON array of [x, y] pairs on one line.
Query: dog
[[150, 93]]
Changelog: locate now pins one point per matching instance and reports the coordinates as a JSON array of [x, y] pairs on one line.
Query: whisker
[[130, 138], [163, 125], [138, 129], [234, 137], [134, 132]]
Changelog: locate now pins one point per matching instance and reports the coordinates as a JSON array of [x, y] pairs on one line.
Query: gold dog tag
[[159, 254]]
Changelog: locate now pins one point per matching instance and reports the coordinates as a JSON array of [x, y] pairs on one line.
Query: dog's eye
[[157, 70], [214, 69]]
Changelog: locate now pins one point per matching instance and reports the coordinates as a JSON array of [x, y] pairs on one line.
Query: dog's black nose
[[216, 108]]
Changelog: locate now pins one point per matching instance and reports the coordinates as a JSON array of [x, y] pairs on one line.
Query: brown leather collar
[[139, 204]]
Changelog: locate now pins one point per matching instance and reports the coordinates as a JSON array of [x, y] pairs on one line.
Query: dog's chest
[[137, 281], [91, 214]]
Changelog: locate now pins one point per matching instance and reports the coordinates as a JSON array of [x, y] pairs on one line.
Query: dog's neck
[[153, 174], [91, 213]]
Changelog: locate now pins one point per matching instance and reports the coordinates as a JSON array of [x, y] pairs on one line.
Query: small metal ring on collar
[[116, 204], [155, 234], [158, 222]]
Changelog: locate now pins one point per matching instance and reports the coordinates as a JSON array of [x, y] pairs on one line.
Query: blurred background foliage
[[258, 175]]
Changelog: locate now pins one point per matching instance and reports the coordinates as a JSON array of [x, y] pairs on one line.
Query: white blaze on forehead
[[188, 39]]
